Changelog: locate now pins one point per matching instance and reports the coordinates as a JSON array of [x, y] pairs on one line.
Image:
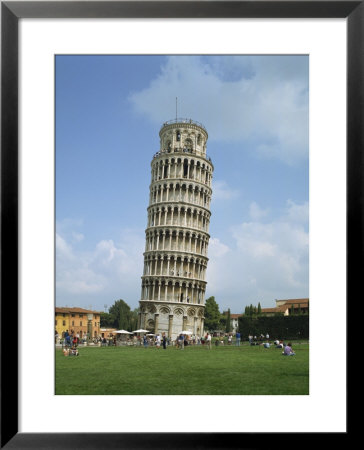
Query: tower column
[[170, 324], [184, 326], [156, 323]]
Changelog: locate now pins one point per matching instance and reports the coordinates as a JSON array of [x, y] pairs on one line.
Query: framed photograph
[[57, 56]]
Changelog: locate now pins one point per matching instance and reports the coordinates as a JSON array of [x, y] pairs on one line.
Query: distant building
[[107, 332], [78, 320], [285, 307], [234, 321]]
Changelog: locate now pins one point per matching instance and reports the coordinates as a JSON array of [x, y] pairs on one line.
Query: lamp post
[[89, 328]]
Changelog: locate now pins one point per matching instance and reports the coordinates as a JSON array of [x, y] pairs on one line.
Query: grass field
[[226, 370]]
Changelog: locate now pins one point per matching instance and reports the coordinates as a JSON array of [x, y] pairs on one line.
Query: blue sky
[[109, 110]]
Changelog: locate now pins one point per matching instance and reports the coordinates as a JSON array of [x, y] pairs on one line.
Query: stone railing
[[180, 120]]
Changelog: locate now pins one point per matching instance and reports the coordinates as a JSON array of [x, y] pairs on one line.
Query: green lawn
[[226, 370]]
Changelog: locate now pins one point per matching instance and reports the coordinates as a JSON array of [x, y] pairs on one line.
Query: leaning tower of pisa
[[177, 233]]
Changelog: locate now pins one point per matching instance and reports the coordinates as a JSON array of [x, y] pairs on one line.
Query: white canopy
[[186, 332], [123, 332], [141, 331]]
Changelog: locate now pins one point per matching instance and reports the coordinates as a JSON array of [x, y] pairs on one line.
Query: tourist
[[279, 344], [158, 341], [267, 337], [145, 341], [288, 350], [208, 340], [65, 337], [238, 338], [230, 338], [266, 345], [181, 341], [164, 341], [73, 351]]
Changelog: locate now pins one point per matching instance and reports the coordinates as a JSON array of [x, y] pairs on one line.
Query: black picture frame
[[11, 12]]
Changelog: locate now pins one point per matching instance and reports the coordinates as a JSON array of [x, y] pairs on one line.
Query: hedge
[[278, 327]]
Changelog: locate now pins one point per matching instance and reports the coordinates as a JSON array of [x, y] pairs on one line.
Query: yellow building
[[76, 320]]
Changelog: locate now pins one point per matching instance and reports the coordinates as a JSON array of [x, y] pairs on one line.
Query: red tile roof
[[273, 310], [293, 301], [235, 316], [62, 309]]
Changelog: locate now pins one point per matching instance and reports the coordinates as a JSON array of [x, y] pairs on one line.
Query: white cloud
[[77, 237], [264, 99], [217, 248], [268, 261], [106, 272], [256, 212], [297, 213], [221, 191], [63, 249]]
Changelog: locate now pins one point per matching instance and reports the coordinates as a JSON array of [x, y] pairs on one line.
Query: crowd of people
[[72, 340]]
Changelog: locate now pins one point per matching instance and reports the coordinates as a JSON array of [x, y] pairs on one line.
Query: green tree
[[107, 320], [259, 309], [212, 314], [121, 314], [134, 319], [222, 324], [228, 322]]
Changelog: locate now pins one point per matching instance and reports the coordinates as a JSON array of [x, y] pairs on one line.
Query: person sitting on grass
[[288, 350], [66, 351], [73, 351]]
